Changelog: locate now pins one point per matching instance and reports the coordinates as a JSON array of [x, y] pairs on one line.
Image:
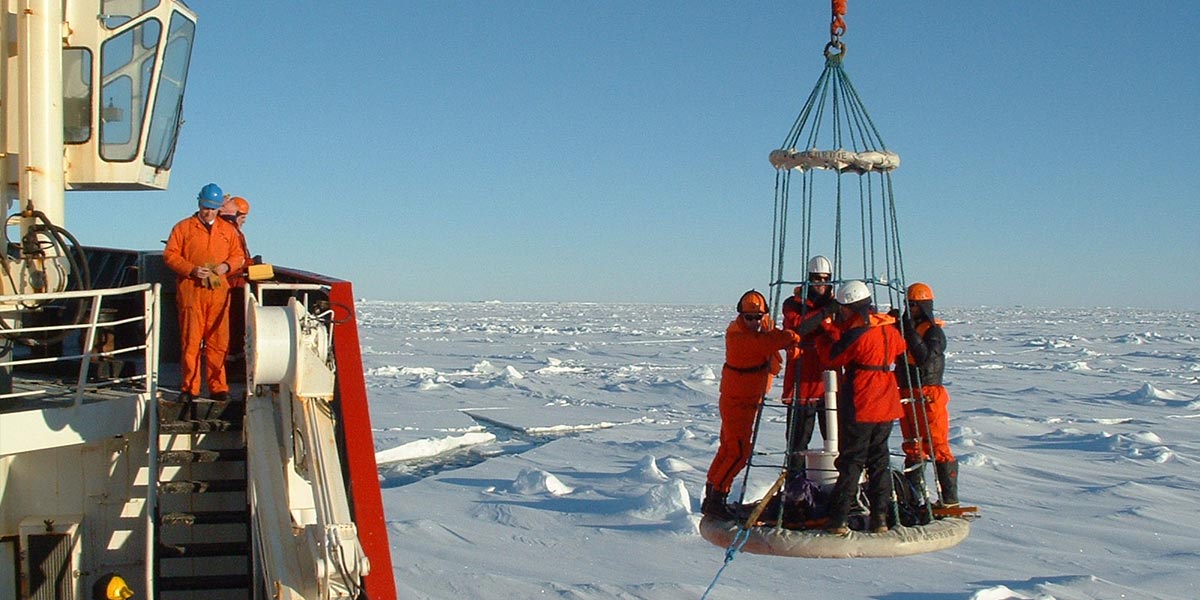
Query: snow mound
[[1001, 592], [1075, 365], [537, 481], [1149, 393], [1069, 587], [975, 459], [395, 371], [665, 501], [676, 465], [1048, 343], [485, 367], [647, 470], [704, 373], [1146, 437], [437, 383], [685, 434]]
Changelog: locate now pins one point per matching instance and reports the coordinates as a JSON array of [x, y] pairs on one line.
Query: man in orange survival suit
[[805, 312], [201, 250], [920, 376], [752, 360], [868, 404], [235, 211]]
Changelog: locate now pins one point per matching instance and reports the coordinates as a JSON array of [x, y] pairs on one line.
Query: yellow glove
[[213, 281]]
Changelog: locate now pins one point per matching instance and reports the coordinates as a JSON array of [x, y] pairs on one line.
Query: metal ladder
[[202, 516]]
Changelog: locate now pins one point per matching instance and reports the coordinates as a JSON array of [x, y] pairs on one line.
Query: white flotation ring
[[809, 543], [838, 160]]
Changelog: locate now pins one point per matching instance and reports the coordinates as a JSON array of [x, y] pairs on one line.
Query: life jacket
[[921, 328]]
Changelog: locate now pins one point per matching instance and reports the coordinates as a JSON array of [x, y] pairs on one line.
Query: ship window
[[116, 13], [168, 102], [77, 95], [126, 69]]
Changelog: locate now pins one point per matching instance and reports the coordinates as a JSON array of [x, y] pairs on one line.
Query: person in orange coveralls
[[752, 360], [868, 405], [235, 211], [201, 250], [920, 376], [806, 312]]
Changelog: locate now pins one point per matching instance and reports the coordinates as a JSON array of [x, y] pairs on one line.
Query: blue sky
[[617, 151]]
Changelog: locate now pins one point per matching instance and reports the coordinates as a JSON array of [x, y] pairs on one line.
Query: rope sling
[[832, 135]]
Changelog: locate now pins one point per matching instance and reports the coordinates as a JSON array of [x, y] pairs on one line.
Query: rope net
[[836, 162], [833, 197]]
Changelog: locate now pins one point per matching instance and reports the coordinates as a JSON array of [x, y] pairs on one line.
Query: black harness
[[757, 369]]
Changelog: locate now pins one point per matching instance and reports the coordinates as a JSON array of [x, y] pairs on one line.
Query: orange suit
[[751, 362], [202, 309], [924, 367]]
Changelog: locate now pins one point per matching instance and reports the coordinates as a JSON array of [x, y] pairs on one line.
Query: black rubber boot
[[947, 475], [715, 504], [915, 476], [879, 523]]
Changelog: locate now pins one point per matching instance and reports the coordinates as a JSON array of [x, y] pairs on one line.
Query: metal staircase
[[202, 516]]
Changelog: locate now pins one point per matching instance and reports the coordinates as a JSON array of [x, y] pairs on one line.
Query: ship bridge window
[[126, 71], [77, 95], [116, 13], [168, 101]]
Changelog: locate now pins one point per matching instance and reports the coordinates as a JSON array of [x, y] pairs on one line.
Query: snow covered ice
[[533, 450]]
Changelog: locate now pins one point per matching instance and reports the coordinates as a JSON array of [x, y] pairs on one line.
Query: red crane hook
[[837, 26]]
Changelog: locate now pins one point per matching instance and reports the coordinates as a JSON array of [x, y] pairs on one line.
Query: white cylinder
[[270, 337], [831, 413], [819, 467], [39, 65]]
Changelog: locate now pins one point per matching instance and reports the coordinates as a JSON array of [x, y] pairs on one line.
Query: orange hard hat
[[235, 206], [243, 207], [919, 291], [752, 302]]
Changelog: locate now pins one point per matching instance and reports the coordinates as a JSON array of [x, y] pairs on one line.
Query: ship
[[109, 487]]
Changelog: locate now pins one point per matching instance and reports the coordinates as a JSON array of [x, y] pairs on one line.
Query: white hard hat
[[851, 292], [821, 265]]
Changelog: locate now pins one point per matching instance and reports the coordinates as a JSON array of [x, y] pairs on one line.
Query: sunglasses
[[752, 316]]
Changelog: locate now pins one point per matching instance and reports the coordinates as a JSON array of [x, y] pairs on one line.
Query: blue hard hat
[[211, 196]]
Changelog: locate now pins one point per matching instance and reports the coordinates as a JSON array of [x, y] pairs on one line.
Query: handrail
[[87, 329]]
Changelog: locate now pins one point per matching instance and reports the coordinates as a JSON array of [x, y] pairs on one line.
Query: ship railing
[[101, 318]]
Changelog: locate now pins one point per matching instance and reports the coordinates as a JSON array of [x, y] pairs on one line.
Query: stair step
[[205, 549], [198, 426], [183, 457], [200, 487], [220, 517], [202, 582], [201, 409]]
